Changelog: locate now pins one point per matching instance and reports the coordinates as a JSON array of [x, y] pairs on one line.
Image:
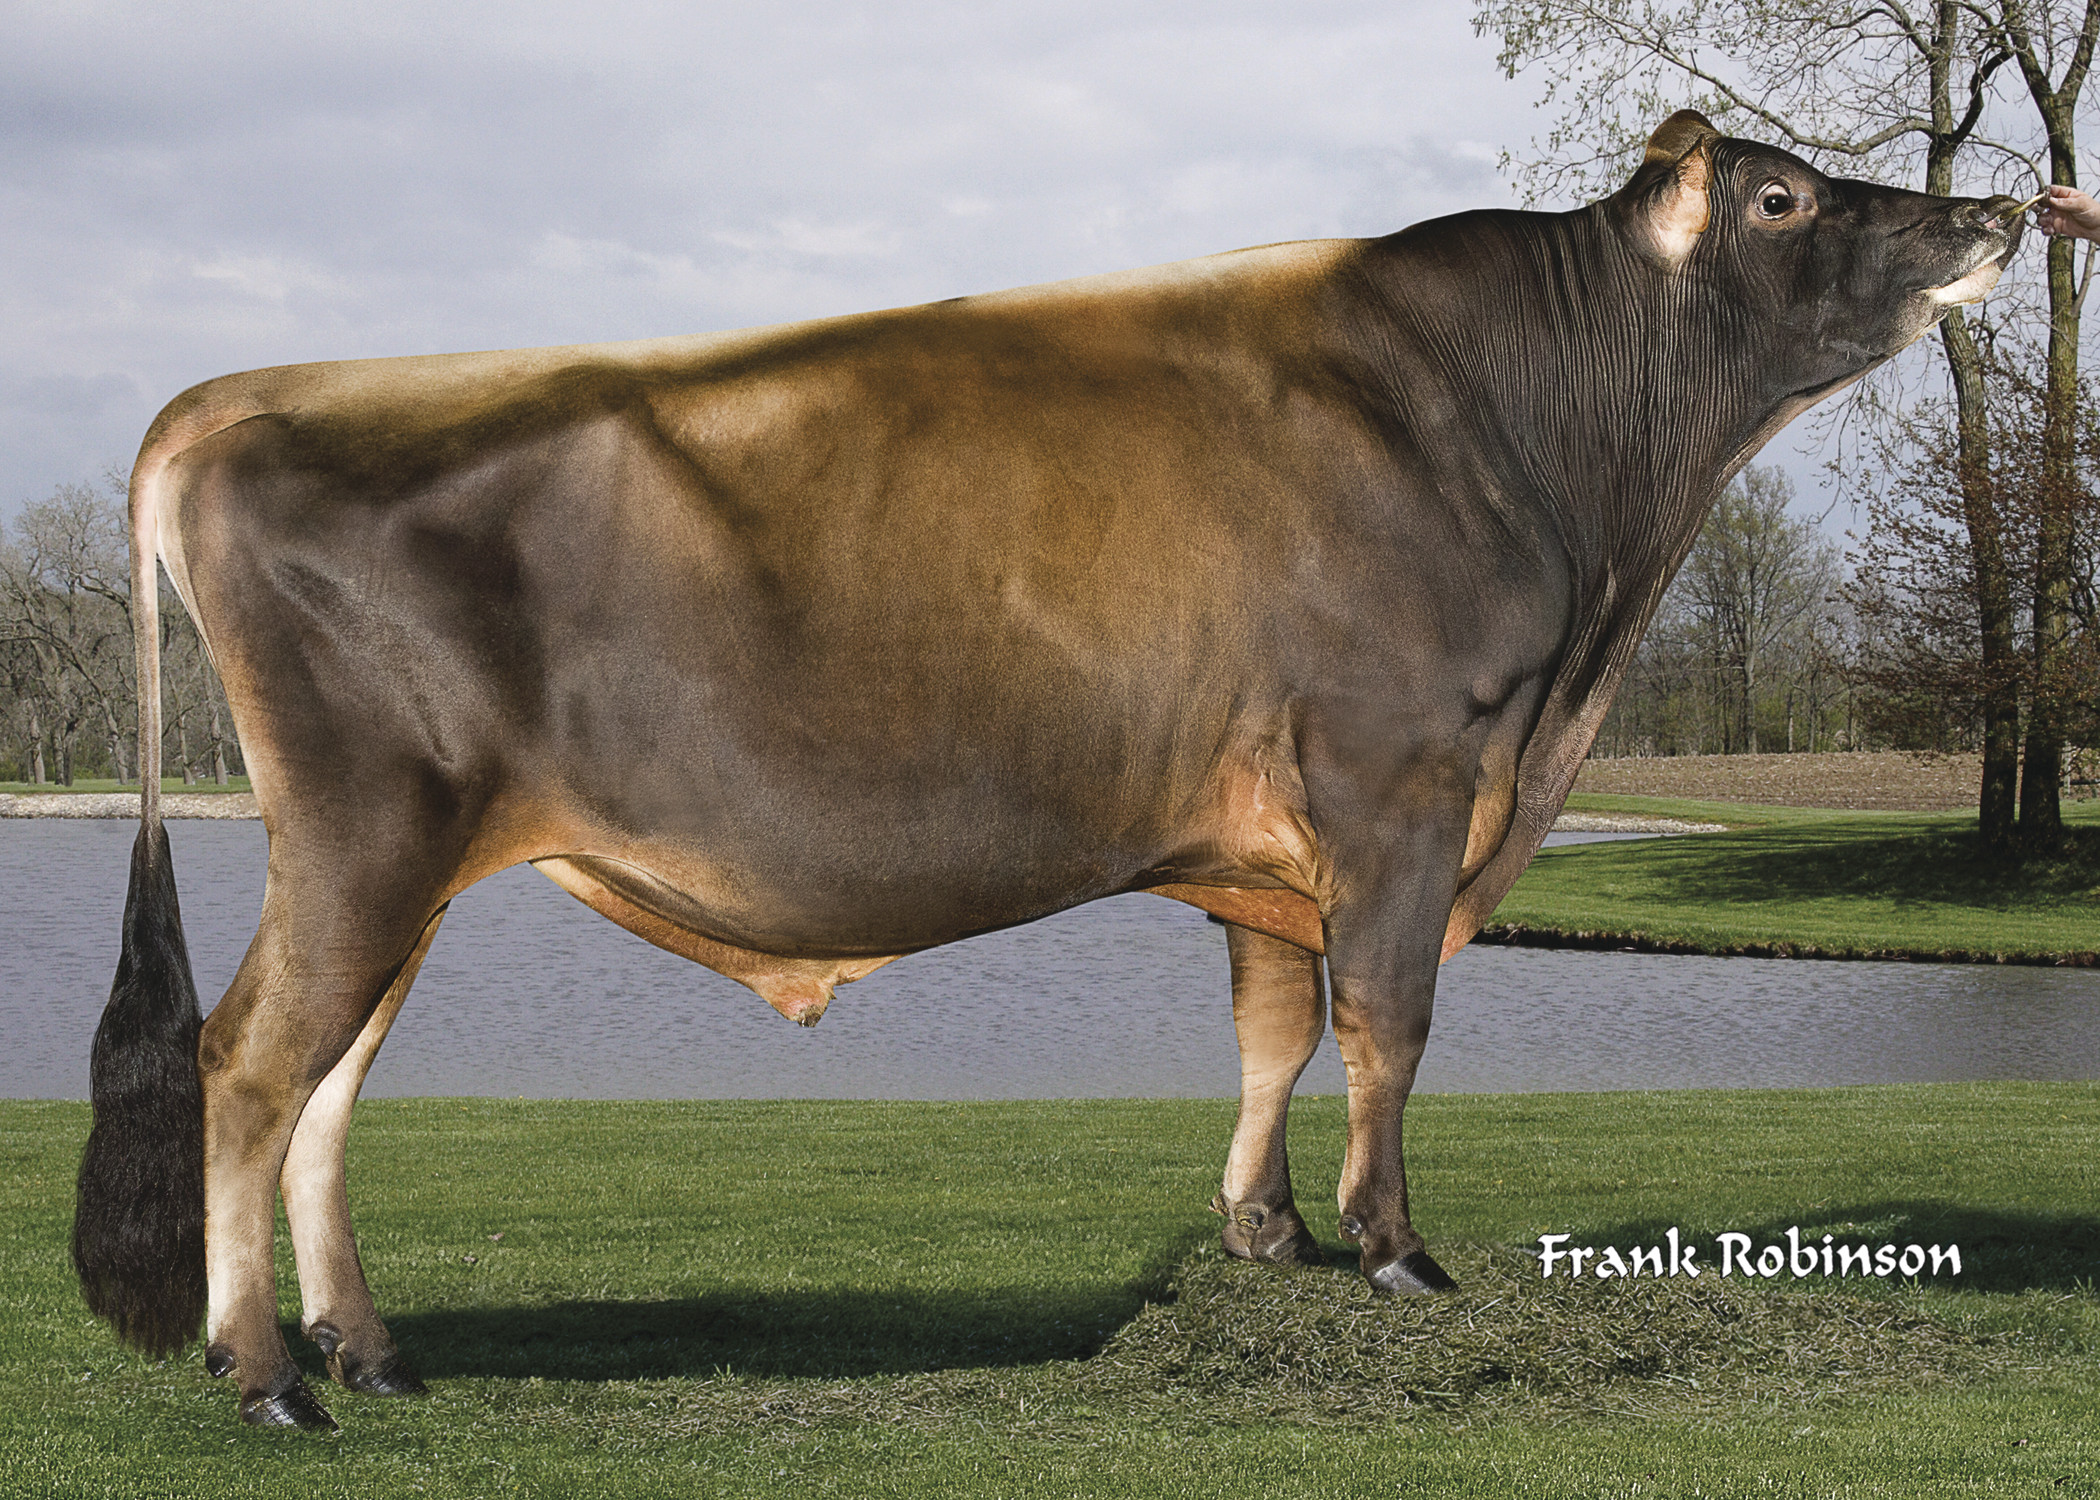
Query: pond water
[[526, 992]]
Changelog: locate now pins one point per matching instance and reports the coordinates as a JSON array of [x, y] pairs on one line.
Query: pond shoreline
[[1518, 935], [126, 805], [242, 805]]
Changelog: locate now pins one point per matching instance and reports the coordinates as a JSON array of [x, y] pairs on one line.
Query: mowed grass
[[1020, 1299], [1816, 883]]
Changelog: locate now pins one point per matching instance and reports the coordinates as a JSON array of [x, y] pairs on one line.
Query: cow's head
[[1827, 275]]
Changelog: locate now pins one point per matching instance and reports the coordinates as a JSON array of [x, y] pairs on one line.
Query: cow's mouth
[[1970, 288], [1991, 258], [1974, 283]]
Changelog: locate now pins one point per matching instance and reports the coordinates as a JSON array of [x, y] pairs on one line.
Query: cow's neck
[[1591, 384]]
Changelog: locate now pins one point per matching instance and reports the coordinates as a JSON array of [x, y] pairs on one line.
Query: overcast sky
[[187, 190]]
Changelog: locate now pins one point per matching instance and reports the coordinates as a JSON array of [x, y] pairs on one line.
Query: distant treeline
[[1767, 642], [1755, 647], [68, 683]]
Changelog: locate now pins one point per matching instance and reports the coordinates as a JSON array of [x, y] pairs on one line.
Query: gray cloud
[[206, 188]]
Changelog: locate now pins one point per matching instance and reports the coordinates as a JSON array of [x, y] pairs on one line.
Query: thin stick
[[2013, 213]]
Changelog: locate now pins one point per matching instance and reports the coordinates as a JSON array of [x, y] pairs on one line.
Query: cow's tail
[[138, 1223]]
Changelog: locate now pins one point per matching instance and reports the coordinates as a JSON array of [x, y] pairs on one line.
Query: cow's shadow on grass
[[833, 1334], [821, 1333], [2000, 1251]]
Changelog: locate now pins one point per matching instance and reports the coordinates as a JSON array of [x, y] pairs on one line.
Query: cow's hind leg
[[335, 938], [1279, 1009], [336, 1307]]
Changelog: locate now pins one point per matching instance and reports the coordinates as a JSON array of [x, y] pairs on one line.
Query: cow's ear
[[1671, 206], [1676, 136]]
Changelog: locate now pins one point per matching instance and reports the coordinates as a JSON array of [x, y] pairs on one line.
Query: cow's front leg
[[1279, 1010], [1384, 940]]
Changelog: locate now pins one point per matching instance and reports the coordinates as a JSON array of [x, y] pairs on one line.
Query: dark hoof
[[388, 1375], [218, 1361], [1410, 1275], [1276, 1238], [293, 1407]]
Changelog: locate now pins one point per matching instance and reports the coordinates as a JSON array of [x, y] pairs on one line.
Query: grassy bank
[[1017, 1299], [103, 784], [1812, 883]]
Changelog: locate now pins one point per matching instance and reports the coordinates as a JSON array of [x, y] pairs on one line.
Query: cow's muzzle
[[1998, 223], [2000, 216]]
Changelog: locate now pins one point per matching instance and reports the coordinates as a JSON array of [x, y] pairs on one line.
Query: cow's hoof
[[292, 1407], [388, 1375], [1410, 1275], [1276, 1237]]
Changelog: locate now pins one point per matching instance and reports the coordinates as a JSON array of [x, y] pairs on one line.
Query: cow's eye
[[1775, 200]]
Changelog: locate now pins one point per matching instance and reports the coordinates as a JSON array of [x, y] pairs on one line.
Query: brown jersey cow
[[1291, 583]]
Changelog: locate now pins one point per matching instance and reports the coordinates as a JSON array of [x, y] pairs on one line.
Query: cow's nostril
[[2000, 211]]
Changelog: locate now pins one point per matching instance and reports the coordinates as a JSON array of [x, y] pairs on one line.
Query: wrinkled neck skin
[[1615, 372], [1616, 376]]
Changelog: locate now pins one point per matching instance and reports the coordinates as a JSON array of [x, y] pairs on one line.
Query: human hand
[[2070, 213]]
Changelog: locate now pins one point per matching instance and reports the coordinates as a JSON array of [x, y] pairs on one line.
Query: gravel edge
[[126, 805]]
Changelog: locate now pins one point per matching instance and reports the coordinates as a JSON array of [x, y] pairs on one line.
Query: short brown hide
[[1291, 583]]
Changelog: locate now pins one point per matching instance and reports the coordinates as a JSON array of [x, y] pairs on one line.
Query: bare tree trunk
[[2041, 780], [116, 744], [218, 742], [36, 748], [1994, 606], [1994, 609], [1750, 697]]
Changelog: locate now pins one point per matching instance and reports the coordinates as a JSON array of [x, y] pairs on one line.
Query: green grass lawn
[[103, 784], [1838, 884], [1020, 1299]]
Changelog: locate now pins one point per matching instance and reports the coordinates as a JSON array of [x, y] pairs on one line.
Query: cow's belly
[[791, 929], [800, 986]]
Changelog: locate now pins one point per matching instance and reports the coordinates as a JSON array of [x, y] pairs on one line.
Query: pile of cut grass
[[1242, 1343], [1307, 1346]]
